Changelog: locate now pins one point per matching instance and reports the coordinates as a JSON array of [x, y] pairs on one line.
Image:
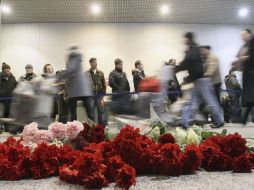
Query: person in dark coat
[[7, 85], [117, 78], [138, 74], [29, 74], [245, 61], [203, 88], [121, 100]]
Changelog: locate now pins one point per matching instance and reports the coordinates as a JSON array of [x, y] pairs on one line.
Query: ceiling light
[[5, 9], [96, 9], [243, 12], [164, 9]]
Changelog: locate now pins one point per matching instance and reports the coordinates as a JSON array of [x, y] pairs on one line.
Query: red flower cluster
[[251, 158], [119, 160], [17, 162], [13, 158], [148, 157], [90, 134], [234, 145], [191, 159], [242, 164], [94, 169], [166, 138], [225, 154]]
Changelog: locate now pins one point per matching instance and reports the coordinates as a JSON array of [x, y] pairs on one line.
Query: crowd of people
[[203, 72]]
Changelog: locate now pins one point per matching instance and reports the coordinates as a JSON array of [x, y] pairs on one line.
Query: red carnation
[[163, 166], [219, 162], [95, 181], [234, 145], [126, 177], [130, 150], [217, 139], [207, 153], [86, 163], [86, 129], [113, 165], [12, 173], [98, 133], [126, 133], [242, 164], [166, 138], [146, 161], [145, 142], [11, 142], [251, 158], [69, 175], [190, 159], [170, 151], [43, 162], [210, 143], [68, 155], [108, 149]]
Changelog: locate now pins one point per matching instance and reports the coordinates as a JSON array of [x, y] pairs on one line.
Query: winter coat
[[98, 81], [212, 69], [137, 77], [27, 77], [233, 87], [118, 81], [248, 77], [192, 63], [7, 85], [78, 83]]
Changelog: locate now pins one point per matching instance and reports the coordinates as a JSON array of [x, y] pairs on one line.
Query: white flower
[[180, 136], [193, 138]]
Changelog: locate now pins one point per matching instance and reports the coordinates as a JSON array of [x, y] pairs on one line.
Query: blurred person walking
[[78, 85], [245, 62], [203, 88]]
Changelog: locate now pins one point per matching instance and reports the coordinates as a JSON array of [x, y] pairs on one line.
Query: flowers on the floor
[[99, 162], [192, 137], [56, 133], [91, 133], [180, 136]]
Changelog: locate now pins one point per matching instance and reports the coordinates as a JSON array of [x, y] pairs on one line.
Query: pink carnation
[[42, 136], [73, 129], [58, 130], [29, 131]]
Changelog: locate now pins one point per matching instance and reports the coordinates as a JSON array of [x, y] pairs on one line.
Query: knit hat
[[29, 66], [117, 61], [189, 35], [5, 66]]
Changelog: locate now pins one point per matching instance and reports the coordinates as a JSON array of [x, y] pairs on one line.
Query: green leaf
[[207, 134], [224, 132]]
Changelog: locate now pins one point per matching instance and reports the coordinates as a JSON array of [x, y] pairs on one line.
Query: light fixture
[[5, 9], [95, 8], [164, 9], [243, 12]]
